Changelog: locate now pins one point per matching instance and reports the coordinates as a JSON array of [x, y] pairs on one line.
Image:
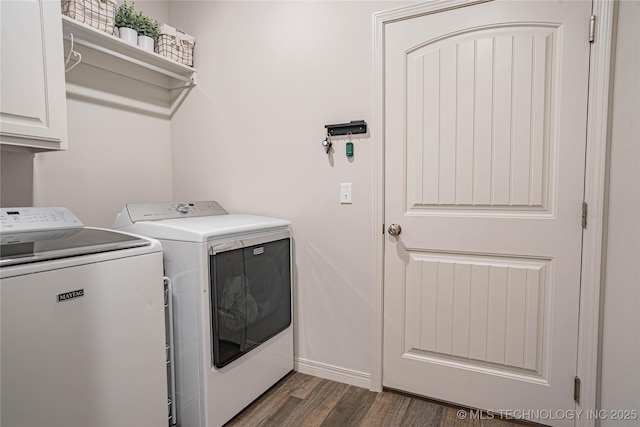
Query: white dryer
[[231, 278]]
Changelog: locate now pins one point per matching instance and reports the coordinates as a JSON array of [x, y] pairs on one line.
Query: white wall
[[271, 75], [156, 9], [620, 375], [115, 157], [16, 182], [117, 153]]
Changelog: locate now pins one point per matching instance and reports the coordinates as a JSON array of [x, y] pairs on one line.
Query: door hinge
[[576, 389], [584, 214], [592, 28], [382, 228]]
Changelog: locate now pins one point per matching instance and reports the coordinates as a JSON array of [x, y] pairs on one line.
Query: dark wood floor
[[304, 400]]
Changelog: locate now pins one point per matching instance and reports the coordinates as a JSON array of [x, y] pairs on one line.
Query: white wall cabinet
[[32, 91]]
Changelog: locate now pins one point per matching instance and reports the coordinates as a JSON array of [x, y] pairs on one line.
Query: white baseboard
[[333, 373]]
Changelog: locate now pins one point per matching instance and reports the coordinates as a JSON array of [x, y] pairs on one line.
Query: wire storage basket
[[100, 14], [175, 45]]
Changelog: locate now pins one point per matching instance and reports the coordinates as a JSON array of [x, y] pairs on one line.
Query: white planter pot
[[145, 43], [128, 35]]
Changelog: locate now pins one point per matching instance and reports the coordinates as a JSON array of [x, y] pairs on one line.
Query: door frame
[[597, 137]]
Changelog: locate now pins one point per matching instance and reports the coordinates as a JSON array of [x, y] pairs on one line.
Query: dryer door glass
[[250, 297]]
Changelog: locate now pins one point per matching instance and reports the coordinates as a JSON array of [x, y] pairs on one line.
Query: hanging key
[[327, 144]]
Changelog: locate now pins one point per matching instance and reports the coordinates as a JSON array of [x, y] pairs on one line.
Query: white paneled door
[[485, 121]]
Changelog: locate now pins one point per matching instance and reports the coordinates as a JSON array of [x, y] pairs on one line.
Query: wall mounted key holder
[[353, 127]]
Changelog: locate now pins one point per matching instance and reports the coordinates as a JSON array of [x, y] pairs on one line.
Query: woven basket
[[175, 45], [100, 14]]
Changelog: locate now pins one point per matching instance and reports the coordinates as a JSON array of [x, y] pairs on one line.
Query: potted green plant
[[126, 22], [148, 30]]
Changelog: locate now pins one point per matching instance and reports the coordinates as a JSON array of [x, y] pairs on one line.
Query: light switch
[[345, 192]]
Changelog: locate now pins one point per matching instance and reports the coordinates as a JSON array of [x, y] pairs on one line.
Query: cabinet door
[[32, 101]]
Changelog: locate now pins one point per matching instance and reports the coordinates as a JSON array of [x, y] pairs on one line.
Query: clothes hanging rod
[[144, 82], [135, 61]]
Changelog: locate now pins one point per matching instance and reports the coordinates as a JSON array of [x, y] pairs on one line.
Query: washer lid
[[203, 228], [28, 247]]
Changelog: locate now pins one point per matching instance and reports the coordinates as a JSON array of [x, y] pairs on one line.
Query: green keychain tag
[[349, 149]]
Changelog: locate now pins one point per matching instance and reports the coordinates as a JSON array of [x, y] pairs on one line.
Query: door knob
[[394, 229]]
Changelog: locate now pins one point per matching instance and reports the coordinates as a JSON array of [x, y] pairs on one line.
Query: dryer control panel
[[20, 220], [173, 210]]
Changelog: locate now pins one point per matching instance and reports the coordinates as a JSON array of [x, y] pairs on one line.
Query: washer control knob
[[183, 208]]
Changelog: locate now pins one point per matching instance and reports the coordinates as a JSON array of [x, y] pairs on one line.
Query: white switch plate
[[345, 193]]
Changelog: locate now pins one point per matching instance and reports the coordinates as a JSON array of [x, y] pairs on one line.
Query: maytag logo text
[[66, 296]]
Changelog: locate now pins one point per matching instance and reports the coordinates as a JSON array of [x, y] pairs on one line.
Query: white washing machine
[[82, 324], [231, 275]]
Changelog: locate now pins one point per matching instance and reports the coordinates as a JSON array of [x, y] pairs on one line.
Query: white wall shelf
[[104, 47]]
